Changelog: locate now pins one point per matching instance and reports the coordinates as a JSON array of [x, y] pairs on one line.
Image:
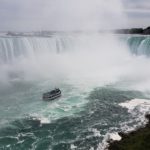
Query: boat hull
[[50, 97]]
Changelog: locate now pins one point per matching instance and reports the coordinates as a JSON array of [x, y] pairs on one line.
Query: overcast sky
[[28, 15]]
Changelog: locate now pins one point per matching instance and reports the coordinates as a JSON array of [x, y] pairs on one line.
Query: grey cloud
[[137, 4]]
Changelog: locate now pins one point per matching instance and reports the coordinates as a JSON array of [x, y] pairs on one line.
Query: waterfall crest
[[17, 47]]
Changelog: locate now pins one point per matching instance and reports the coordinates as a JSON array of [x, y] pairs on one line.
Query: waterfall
[[12, 48], [15, 47], [139, 45]]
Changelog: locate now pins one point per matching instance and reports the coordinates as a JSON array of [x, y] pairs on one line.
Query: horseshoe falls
[[105, 84], [14, 47]]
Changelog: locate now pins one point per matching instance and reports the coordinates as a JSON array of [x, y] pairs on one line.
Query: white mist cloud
[[61, 15]]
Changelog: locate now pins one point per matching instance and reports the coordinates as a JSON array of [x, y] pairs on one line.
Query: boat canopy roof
[[55, 91]]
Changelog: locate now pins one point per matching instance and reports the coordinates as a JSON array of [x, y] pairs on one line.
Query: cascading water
[[96, 72], [15, 47], [139, 45]]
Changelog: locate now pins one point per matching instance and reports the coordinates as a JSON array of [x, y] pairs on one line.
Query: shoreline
[[138, 139], [140, 31]]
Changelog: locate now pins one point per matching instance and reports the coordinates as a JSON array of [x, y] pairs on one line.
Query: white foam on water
[[8, 146], [143, 105], [108, 137], [104, 144], [44, 121], [91, 148], [73, 146], [95, 132], [138, 108], [115, 136]]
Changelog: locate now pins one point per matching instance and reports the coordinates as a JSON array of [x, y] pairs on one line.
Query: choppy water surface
[[105, 89], [80, 127]]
